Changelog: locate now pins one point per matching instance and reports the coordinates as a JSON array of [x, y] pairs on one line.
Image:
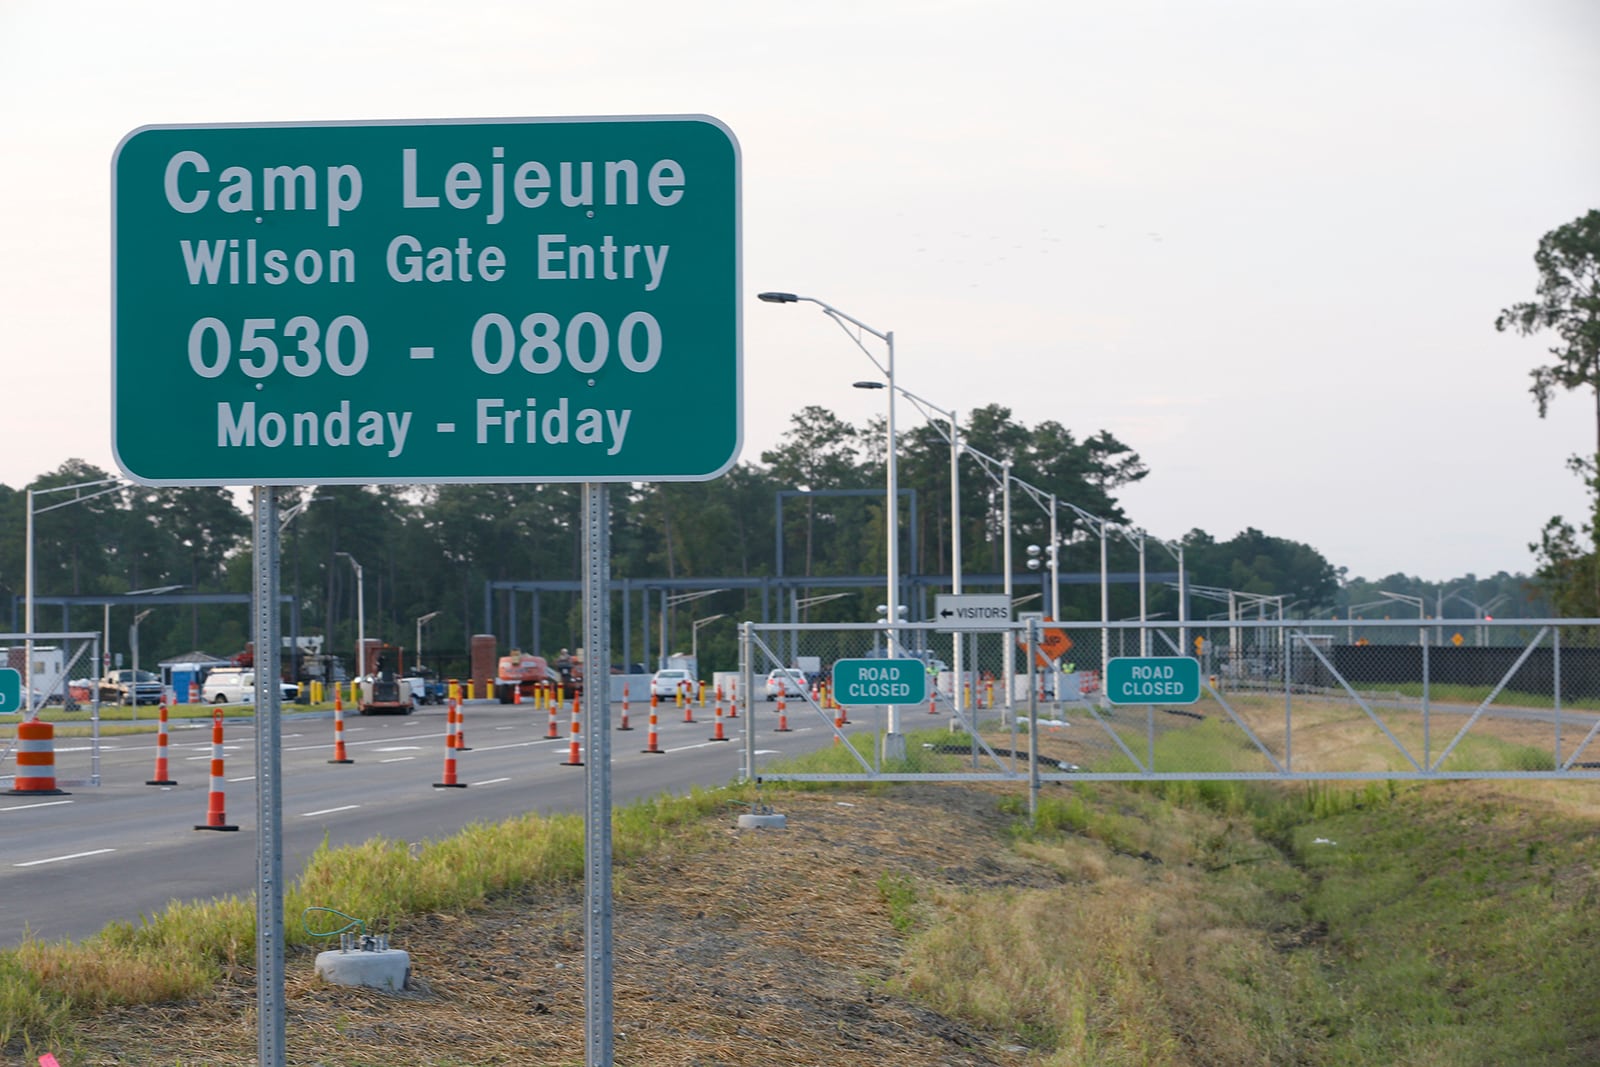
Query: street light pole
[[429, 617], [891, 504], [133, 640], [694, 639], [111, 485], [361, 616], [1009, 674]]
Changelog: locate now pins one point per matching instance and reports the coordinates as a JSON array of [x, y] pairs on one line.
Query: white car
[[667, 681], [786, 682]]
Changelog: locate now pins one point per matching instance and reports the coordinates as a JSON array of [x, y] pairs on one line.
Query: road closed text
[[1148, 680]]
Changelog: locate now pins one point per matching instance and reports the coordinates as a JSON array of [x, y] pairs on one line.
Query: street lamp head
[[868, 385], [777, 298]]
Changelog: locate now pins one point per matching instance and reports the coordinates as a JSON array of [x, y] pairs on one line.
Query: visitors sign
[[966, 612], [879, 681], [463, 300], [1152, 680]]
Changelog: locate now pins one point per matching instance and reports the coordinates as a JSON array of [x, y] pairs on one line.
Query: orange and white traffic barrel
[[36, 761], [216, 815]]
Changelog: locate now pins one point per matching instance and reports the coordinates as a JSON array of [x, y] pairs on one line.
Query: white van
[[237, 685]]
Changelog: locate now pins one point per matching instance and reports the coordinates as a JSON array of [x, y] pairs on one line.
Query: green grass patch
[[899, 895]]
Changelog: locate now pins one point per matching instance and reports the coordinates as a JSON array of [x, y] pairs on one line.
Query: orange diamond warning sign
[[1053, 644]]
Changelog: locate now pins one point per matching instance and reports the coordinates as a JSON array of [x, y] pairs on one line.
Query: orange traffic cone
[[339, 755], [460, 712], [216, 815], [733, 702], [688, 705], [161, 777], [783, 717], [653, 743], [555, 706], [624, 725], [574, 757], [717, 734], [450, 781]]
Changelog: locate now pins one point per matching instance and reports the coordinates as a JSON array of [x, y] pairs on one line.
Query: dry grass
[[732, 947]]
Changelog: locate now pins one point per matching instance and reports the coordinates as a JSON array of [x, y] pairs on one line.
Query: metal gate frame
[[87, 642], [758, 654]]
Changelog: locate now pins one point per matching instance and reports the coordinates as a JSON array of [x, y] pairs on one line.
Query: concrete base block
[[763, 822], [387, 970], [894, 746]]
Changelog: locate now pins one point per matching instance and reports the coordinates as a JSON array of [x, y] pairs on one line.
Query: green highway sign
[[10, 690], [483, 300], [1152, 680], [880, 681]]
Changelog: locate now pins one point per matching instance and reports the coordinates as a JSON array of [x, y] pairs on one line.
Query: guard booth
[[184, 674]]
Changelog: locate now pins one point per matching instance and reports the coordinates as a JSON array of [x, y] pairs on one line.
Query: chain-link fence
[[1193, 701]]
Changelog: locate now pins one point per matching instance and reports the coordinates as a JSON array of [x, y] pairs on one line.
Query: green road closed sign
[[10, 690], [880, 681], [442, 301], [1152, 680]]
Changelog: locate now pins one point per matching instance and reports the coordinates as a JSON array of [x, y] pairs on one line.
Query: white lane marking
[[396, 759], [766, 752], [703, 744], [246, 778], [373, 741], [492, 781], [45, 804], [521, 744], [505, 727], [328, 811], [401, 748], [58, 859]]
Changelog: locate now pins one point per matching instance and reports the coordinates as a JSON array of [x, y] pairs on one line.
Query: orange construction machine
[[521, 671]]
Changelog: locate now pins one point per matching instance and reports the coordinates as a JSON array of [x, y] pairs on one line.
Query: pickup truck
[[121, 687]]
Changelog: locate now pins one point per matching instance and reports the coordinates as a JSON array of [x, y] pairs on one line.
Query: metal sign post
[[397, 303], [597, 984], [270, 1027]]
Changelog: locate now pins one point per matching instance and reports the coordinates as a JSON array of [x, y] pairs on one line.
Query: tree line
[[427, 549]]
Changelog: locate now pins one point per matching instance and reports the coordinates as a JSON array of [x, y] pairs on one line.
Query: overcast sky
[[1261, 242]]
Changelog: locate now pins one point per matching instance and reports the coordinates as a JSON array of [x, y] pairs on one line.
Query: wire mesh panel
[[1240, 699], [55, 684]]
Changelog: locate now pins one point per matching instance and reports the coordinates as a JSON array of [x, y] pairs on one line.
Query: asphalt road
[[71, 864]]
